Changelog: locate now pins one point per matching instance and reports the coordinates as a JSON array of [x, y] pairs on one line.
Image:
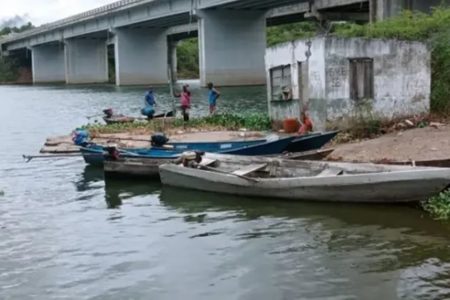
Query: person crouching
[[150, 103]]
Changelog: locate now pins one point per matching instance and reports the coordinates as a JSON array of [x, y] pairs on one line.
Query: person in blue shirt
[[150, 103], [213, 95]]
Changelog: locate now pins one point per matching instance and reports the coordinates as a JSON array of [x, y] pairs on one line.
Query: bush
[[260, 122], [291, 32], [439, 206], [9, 71], [187, 53]]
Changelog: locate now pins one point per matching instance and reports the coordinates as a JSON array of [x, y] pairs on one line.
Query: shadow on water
[[89, 176], [119, 190]]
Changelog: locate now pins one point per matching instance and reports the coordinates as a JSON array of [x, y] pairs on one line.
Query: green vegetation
[[187, 53], [7, 30], [291, 32], [9, 69], [258, 122], [231, 121], [439, 206]]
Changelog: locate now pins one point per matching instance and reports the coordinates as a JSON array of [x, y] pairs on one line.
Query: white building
[[346, 78]]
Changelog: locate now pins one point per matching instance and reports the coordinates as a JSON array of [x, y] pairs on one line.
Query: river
[[66, 234]]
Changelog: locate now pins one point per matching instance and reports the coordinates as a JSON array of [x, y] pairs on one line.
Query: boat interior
[[282, 168]]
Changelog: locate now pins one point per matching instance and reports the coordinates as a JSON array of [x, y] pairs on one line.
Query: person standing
[[213, 95], [150, 103], [185, 101]]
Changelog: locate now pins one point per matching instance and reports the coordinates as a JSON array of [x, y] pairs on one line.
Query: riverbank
[[428, 144], [420, 141]]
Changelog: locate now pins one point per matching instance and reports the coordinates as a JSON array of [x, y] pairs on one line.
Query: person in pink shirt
[[185, 101]]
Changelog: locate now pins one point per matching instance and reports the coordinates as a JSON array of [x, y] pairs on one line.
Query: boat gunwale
[[342, 180]]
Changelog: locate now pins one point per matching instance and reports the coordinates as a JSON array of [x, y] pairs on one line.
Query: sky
[[45, 11]]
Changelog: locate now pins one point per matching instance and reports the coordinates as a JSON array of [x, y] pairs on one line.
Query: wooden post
[[305, 78], [373, 11]]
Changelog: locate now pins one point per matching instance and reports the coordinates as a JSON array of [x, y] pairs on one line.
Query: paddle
[[94, 116], [228, 173], [29, 158]]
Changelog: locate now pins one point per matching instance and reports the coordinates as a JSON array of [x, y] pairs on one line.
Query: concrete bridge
[[232, 37]]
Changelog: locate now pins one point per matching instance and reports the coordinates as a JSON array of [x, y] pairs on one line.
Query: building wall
[[401, 78], [307, 79]]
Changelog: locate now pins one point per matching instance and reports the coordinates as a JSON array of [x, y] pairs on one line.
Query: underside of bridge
[[231, 38]]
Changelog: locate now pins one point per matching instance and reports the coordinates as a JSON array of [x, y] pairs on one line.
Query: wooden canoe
[[310, 180]]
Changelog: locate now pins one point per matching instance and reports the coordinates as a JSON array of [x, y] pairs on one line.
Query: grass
[[258, 122], [439, 206]]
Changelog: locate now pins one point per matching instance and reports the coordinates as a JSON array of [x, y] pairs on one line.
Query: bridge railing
[[72, 19]]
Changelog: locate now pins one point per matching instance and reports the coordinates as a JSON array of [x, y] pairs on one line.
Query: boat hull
[[311, 142], [393, 187], [94, 155], [135, 168]]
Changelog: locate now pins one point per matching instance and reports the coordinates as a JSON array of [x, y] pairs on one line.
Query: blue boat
[[94, 154], [311, 141], [268, 148]]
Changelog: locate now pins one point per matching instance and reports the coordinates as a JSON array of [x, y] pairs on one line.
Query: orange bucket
[[291, 125]]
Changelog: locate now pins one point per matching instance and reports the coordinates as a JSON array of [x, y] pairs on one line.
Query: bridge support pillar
[[232, 47], [86, 61], [48, 63], [386, 9], [141, 56]]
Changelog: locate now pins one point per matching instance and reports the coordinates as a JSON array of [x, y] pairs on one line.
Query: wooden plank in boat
[[207, 162], [249, 169], [330, 172]]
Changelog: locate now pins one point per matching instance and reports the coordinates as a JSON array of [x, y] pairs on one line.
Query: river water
[[66, 234]]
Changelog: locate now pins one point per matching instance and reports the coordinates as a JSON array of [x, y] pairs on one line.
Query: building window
[[361, 78], [281, 84]]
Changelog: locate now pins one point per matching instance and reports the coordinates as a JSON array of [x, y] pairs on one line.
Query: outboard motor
[[108, 113], [190, 159], [159, 140], [112, 152]]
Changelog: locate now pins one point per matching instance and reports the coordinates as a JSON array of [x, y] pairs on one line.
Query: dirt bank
[[418, 144]]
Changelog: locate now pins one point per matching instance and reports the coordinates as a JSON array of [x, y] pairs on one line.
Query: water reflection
[[119, 190], [393, 237], [89, 176]]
